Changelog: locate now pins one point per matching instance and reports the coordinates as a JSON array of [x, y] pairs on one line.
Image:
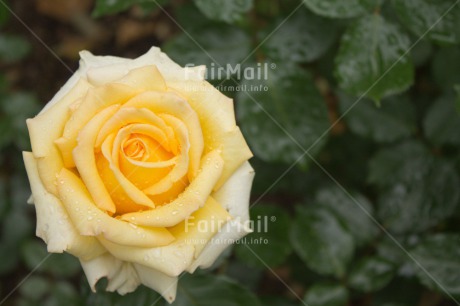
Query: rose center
[[135, 148], [143, 148]]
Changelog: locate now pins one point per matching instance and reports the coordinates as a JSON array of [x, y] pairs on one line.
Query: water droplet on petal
[[133, 225], [90, 218], [175, 212]]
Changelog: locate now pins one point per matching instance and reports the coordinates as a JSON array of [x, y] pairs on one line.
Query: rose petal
[[182, 164], [172, 193], [45, 128], [125, 281], [122, 201], [202, 225], [48, 126], [105, 69], [214, 109], [234, 194], [122, 276], [53, 224], [145, 78], [110, 150], [189, 201], [168, 68], [160, 282], [230, 232], [217, 118], [172, 104], [128, 115], [171, 260], [85, 159], [90, 221], [95, 100], [234, 150]]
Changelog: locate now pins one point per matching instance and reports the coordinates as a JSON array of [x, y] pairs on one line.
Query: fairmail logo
[[260, 224], [238, 72]]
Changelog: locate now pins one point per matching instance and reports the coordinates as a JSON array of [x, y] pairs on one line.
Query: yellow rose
[[138, 169]]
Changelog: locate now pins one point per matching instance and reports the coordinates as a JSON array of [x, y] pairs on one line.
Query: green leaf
[[64, 265], [147, 7], [442, 122], [431, 18], [303, 37], [372, 60], [346, 153], [445, 67], [296, 182], [34, 254], [99, 299], [206, 290], [439, 255], [422, 202], [401, 291], [388, 249], [326, 295], [293, 102], [4, 13], [215, 47], [393, 120], [396, 163], [35, 287], [16, 228], [457, 98], [141, 296], [18, 107], [63, 293], [9, 256], [108, 7], [245, 275], [418, 191], [6, 131], [421, 52], [13, 48], [3, 193], [353, 212], [321, 241], [224, 10], [371, 274], [276, 300], [183, 13], [271, 227], [341, 8]]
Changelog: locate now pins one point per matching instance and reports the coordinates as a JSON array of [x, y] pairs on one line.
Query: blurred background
[[356, 144]]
